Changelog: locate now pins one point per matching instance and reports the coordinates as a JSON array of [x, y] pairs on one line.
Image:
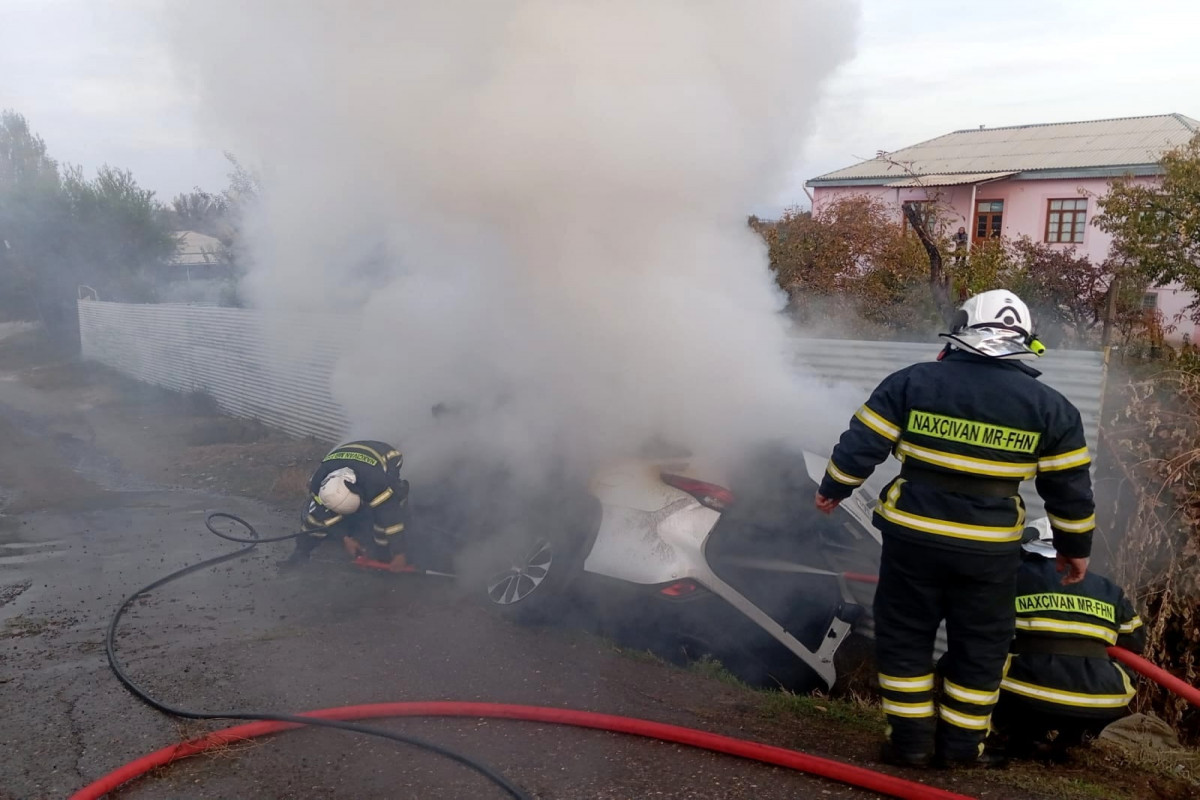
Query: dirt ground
[[104, 485]]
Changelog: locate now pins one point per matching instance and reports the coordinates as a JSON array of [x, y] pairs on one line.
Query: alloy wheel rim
[[519, 581]]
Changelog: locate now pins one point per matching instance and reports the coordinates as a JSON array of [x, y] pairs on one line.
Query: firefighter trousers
[[358, 527], [1032, 732], [919, 587]]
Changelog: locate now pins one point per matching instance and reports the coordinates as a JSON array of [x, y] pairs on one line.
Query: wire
[[252, 542]]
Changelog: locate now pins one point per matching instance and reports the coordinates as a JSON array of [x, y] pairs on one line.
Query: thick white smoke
[[532, 211]]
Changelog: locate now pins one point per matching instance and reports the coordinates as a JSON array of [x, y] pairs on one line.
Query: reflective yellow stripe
[[978, 533], [367, 448], [381, 497], [1073, 525], [842, 477], [975, 466], [392, 454], [969, 721], [1070, 698], [343, 455], [1075, 458], [1061, 626], [391, 530], [966, 695], [886, 429], [1131, 626], [922, 683], [907, 709]]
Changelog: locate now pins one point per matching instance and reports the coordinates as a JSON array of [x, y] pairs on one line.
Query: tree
[[851, 258], [1156, 226], [60, 230], [31, 204], [923, 217], [200, 211], [939, 278], [115, 231], [1068, 293]]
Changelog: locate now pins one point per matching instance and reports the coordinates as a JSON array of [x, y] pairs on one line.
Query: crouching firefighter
[[967, 428], [1062, 687], [357, 485]]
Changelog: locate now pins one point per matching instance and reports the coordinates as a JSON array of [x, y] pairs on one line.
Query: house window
[[1149, 301], [989, 218], [1065, 220]]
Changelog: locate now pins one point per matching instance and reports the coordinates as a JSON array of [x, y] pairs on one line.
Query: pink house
[[1040, 181]]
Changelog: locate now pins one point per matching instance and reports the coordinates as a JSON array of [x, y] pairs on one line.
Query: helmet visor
[[993, 342]]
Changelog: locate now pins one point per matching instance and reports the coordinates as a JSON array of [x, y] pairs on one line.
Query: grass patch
[[1040, 780], [1177, 767], [227, 430], [710, 667], [855, 711], [642, 656]]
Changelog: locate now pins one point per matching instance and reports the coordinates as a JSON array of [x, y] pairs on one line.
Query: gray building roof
[[1056, 150], [198, 248]]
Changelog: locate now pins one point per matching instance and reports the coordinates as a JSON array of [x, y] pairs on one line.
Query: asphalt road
[[243, 636]]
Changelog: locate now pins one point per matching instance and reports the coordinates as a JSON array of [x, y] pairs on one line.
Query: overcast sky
[[94, 79]]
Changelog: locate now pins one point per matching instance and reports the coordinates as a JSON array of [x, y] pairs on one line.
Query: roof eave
[[1067, 173]]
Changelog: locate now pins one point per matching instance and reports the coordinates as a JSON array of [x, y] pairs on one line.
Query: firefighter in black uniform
[[967, 429], [1061, 680], [357, 484]]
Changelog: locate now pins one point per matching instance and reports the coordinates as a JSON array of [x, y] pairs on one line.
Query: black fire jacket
[[384, 495], [1059, 664], [968, 429]]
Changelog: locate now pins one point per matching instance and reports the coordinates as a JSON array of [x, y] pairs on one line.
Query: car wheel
[[523, 578], [532, 586]]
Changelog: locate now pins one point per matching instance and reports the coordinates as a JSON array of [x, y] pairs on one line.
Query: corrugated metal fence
[[1078, 374], [283, 380]]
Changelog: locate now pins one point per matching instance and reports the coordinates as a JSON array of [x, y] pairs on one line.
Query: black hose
[[252, 542]]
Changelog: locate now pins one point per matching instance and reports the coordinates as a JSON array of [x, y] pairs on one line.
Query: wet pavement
[[240, 636]]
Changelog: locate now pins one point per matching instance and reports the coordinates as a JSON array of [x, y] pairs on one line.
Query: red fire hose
[[1157, 674], [778, 756], [792, 759]]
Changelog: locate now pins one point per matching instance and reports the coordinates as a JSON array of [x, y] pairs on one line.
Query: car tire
[[530, 575]]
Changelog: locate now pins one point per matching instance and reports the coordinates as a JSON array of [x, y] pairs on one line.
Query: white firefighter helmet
[[336, 494], [1041, 538], [995, 324]]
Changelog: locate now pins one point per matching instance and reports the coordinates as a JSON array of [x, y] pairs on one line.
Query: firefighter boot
[[897, 758], [305, 544], [987, 759]]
